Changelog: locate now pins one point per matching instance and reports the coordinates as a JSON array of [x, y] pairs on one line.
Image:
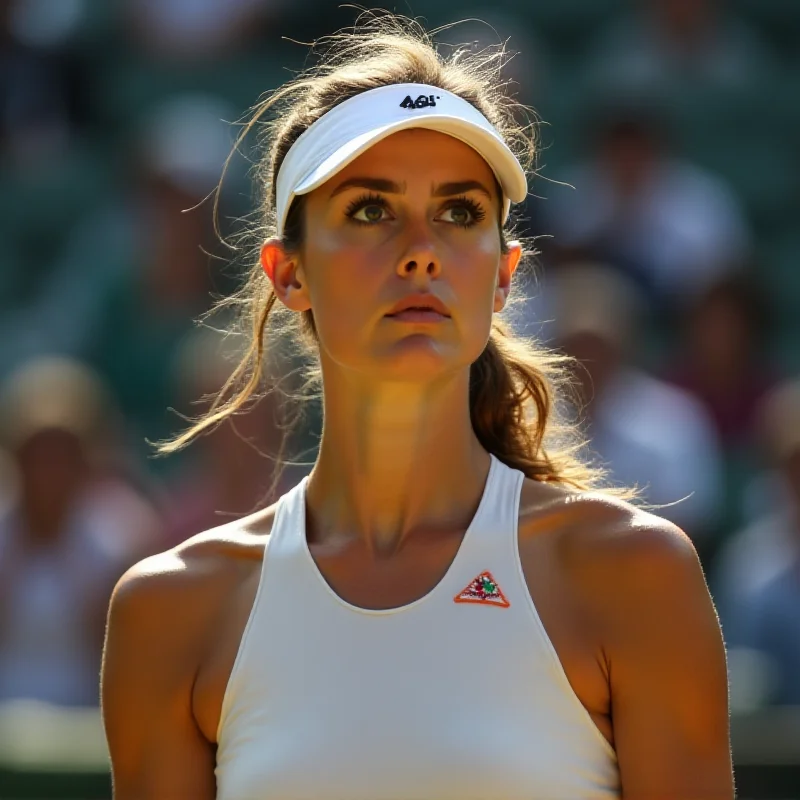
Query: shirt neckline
[[488, 491]]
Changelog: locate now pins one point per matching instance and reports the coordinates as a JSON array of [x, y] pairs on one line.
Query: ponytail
[[512, 391]]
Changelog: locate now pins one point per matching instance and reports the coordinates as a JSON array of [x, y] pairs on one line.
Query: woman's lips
[[418, 315]]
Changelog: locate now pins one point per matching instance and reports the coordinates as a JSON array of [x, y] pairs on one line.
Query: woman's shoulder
[[629, 576], [183, 587], [606, 545]]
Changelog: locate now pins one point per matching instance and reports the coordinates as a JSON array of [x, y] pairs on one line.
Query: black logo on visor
[[423, 101]]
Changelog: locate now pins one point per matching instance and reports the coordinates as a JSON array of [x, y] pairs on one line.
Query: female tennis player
[[450, 605]]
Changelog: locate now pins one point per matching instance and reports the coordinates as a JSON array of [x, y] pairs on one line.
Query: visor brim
[[487, 144]]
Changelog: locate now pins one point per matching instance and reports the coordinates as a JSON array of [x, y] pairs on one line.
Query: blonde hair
[[515, 383]]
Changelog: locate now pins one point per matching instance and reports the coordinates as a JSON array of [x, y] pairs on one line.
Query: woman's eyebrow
[[460, 187], [376, 184], [390, 187]]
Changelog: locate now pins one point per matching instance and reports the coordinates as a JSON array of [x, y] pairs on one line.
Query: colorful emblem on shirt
[[483, 589]]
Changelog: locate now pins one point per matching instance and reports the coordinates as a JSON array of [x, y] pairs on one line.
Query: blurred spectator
[[667, 223], [43, 121], [169, 282], [36, 87], [232, 468], [757, 579], [716, 82], [667, 46], [196, 29], [71, 528], [649, 433], [720, 359], [133, 277]]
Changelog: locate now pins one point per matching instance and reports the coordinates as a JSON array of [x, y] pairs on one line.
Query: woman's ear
[[508, 265], [286, 275]]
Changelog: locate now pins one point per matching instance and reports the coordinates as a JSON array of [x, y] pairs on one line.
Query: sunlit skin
[[619, 592], [398, 453]]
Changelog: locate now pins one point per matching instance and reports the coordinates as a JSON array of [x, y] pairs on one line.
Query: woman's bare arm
[[666, 657], [156, 628]]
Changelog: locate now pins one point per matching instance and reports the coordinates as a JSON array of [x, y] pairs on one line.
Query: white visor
[[347, 130]]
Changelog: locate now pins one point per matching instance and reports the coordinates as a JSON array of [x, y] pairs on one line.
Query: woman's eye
[[369, 213], [463, 212], [459, 215], [373, 210], [367, 210]]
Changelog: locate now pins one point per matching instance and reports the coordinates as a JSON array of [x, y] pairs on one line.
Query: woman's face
[[417, 214]]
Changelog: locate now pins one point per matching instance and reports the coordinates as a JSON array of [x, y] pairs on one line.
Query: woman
[[447, 606]]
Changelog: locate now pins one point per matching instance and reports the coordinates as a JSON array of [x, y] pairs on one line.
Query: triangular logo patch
[[483, 589]]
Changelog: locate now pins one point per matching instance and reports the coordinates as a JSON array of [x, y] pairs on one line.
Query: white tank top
[[459, 694]]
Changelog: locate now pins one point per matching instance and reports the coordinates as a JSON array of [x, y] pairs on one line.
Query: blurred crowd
[[665, 218]]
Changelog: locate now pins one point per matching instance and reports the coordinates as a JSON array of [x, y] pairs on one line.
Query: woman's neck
[[396, 461]]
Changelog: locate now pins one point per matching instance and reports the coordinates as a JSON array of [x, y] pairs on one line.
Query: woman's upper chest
[[404, 580]]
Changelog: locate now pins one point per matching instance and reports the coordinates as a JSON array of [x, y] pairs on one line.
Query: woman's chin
[[417, 358], [420, 358]]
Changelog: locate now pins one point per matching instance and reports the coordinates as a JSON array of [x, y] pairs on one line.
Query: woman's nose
[[420, 258]]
